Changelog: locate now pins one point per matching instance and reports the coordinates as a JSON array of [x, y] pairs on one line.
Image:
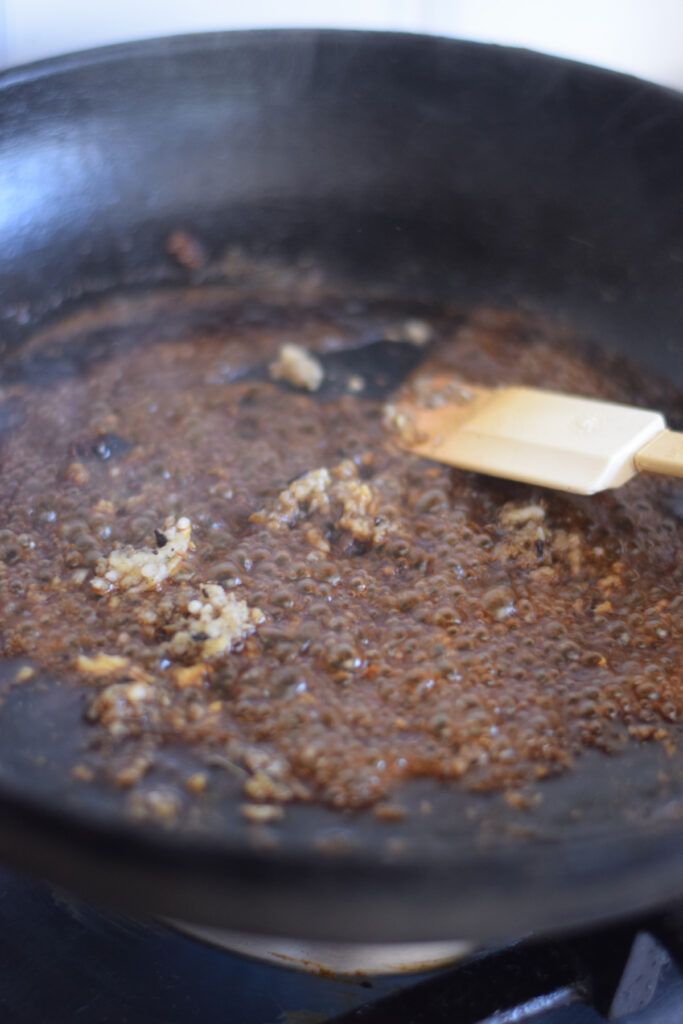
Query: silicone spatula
[[541, 437]]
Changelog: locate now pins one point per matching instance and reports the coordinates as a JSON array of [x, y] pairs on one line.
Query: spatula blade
[[534, 436]]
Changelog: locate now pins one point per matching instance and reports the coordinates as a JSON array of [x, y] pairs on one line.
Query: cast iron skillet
[[424, 168]]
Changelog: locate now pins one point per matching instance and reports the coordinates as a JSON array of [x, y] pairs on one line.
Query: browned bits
[[187, 250], [262, 814], [389, 812], [77, 473], [418, 621], [23, 674], [162, 804], [197, 782]]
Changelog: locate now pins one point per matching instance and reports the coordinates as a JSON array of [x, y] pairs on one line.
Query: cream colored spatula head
[[539, 437]]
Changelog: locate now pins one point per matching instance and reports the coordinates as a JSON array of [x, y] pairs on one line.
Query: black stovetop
[[62, 962]]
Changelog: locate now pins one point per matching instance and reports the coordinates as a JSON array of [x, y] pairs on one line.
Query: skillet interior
[[397, 165]]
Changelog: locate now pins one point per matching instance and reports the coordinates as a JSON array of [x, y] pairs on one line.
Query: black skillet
[[417, 168]]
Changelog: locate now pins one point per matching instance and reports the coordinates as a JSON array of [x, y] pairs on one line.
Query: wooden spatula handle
[[664, 454]]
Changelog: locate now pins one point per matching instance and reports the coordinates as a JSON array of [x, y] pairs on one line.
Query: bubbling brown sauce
[[449, 626]]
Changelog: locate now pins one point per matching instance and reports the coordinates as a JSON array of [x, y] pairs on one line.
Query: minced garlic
[[101, 665], [126, 707], [298, 367], [321, 490], [129, 568], [214, 622], [309, 493]]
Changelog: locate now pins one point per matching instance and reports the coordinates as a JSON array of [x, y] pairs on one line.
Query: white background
[[644, 38]]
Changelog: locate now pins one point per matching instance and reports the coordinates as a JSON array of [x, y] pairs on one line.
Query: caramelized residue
[[346, 616]]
